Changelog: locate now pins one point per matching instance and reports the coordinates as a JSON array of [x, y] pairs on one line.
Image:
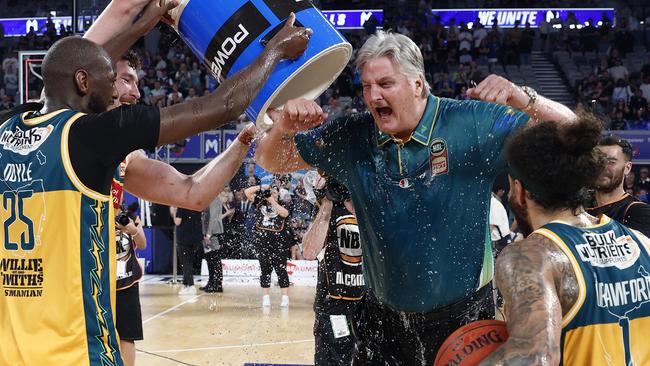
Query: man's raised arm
[[236, 92], [116, 18], [277, 151]]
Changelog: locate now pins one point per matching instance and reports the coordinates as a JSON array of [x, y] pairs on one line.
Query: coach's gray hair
[[400, 49]]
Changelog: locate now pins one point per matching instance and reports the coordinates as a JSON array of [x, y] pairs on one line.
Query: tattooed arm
[[531, 275]]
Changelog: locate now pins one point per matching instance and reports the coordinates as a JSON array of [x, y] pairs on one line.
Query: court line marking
[[171, 309], [229, 347]]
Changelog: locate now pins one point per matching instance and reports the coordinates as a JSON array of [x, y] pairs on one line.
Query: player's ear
[[81, 81]]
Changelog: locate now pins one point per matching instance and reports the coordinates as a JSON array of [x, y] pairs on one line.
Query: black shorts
[[395, 338], [129, 314]]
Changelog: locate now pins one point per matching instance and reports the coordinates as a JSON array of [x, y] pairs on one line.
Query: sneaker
[[266, 301], [210, 289], [187, 290], [285, 301]]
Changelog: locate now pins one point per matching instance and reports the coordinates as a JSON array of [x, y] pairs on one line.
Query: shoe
[[285, 301], [187, 290], [266, 301], [208, 285], [210, 289]]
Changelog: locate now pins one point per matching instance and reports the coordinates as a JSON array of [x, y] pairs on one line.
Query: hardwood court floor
[[229, 328]]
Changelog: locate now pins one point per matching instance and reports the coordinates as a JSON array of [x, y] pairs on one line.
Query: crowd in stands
[[617, 80]]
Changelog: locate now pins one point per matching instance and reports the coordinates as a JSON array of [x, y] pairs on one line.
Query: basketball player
[[610, 192], [576, 290], [340, 280], [419, 169], [57, 259]]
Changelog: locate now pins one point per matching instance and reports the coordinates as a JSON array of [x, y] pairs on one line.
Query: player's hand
[[156, 11], [497, 89], [290, 41], [298, 115]]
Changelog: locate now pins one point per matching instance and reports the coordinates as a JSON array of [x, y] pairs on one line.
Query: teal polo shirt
[[422, 204]]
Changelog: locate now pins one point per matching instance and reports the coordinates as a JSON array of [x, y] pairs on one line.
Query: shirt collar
[[422, 133]]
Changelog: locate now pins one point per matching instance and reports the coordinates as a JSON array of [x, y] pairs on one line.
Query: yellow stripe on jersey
[[347, 221], [344, 298], [67, 163], [36, 120], [566, 319], [350, 259]]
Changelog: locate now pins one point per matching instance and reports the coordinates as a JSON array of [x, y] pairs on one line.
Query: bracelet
[[245, 139]]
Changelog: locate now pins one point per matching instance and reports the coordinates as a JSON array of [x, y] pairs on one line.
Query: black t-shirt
[[190, 232], [628, 211], [340, 278], [267, 217], [98, 143]]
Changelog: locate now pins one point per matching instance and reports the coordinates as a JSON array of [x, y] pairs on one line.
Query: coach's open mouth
[[384, 112]]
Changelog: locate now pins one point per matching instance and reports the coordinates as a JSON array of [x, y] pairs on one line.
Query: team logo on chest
[[438, 157], [23, 142]]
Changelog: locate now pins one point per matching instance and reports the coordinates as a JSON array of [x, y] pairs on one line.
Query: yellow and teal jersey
[[57, 258], [608, 323]]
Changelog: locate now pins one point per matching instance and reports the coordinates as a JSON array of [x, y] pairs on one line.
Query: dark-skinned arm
[[235, 93], [526, 278]]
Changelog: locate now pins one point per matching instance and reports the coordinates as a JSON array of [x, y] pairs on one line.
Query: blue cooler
[[228, 34]]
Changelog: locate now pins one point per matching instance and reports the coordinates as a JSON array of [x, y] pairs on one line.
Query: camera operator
[[270, 239], [340, 280], [129, 236]]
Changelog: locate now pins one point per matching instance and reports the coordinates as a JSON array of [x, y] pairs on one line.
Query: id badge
[[121, 269], [339, 326]]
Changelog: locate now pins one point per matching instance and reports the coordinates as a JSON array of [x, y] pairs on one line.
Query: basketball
[[470, 344]]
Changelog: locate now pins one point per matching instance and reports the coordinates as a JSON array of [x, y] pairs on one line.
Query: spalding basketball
[[472, 343]]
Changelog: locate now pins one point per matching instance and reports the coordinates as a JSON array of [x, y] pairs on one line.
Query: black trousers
[[215, 271], [273, 260], [272, 254], [186, 258], [389, 337], [331, 351]]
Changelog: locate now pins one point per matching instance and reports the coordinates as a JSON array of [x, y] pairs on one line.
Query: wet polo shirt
[[422, 204]]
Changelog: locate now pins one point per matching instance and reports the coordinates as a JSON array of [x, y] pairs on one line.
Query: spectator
[[189, 236], [638, 101], [272, 250], [333, 108], [478, 35], [526, 44], [191, 94], [618, 71], [645, 69], [445, 87], [465, 38], [645, 88], [617, 121], [7, 103], [213, 240], [175, 96], [621, 91], [643, 182]]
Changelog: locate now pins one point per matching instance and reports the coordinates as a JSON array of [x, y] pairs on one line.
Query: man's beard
[[96, 104], [614, 182], [521, 215]]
